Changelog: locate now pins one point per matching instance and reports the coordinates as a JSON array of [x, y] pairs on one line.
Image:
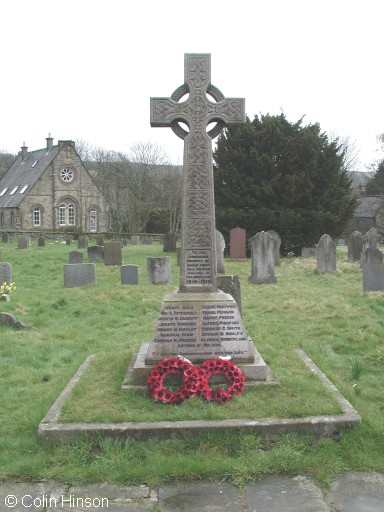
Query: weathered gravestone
[[326, 255], [99, 240], [5, 237], [75, 257], [263, 258], [231, 284], [147, 240], [135, 239], [159, 270], [355, 246], [237, 249], [373, 270], [41, 241], [5, 273], [169, 242], [24, 242], [129, 274], [220, 246], [371, 239], [79, 274], [68, 240], [95, 253], [277, 242], [198, 321], [112, 253], [82, 242]]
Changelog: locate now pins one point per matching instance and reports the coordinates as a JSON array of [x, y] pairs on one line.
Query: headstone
[[75, 257], [373, 270], [82, 242], [135, 239], [148, 240], [99, 240], [326, 255], [169, 242], [112, 253], [355, 246], [41, 241], [129, 274], [95, 253], [308, 252], [24, 242], [277, 242], [220, 246], [263, 258], [237, 248], [371, 239], [199, 321], [5, 273], [79, 274], [231, 284], [159, 270], [5, 237], [68, 240]]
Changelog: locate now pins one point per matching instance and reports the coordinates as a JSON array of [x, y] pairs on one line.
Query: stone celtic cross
[[198, 112]]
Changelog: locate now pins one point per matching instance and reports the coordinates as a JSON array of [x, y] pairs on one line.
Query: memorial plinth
[[198, 321]]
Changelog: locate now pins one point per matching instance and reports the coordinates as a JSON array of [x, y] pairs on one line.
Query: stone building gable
[[50, 189]]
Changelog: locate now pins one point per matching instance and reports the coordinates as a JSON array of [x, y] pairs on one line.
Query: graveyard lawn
[[328, 315]]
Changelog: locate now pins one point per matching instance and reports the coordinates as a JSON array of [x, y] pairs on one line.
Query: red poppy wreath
[[195, 380], [224, 367], [173, 365]]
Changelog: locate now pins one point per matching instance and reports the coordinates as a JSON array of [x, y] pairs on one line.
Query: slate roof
[[359, 178], [23, 174], [369, 206]]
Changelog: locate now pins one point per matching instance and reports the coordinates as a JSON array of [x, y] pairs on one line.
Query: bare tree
[[6, 160]]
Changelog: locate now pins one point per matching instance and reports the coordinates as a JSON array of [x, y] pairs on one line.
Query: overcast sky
[[85, 69]]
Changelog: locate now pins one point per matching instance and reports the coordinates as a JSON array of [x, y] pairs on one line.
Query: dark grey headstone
[[24, 242], [373, 270], [263, 258], [100, 240], [5, 237], [41, 241], [79, 274], [231, 284], [82, 242], [159, 270], [326, 255], [68, 240], [129, 274], [220, 246], [169, 242], [355, 246], [95, 253], [112, 253], [75, 257], [5, 273]]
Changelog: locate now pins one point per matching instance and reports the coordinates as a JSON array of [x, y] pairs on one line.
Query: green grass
[[326, 314]]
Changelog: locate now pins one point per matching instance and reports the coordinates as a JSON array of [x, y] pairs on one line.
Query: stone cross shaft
[[198, 112]]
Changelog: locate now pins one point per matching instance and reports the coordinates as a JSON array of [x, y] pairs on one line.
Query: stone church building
[[50, 190]]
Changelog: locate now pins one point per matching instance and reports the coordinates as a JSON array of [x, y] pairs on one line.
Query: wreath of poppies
[[173, 365], [195, 380]]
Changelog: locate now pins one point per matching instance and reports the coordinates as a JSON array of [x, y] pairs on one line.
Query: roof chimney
[[24, 151], [49, 140]]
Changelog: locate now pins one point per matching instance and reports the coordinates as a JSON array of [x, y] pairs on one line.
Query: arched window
[[67, 214], [93, 220]]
